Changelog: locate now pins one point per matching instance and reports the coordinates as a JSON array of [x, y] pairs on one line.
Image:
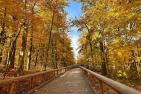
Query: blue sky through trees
[[74, 11]]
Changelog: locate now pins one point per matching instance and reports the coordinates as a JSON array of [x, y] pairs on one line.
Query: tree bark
[[22, 51], [56, 58], [12, 50], [133, 67], [24, 40], [3, 34], [103, 58], [49, 39], [30, 51], [36, 58], [31, 38], [52, 52]]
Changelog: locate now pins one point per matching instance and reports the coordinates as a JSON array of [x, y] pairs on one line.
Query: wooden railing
[[28, 83], [103, 84]]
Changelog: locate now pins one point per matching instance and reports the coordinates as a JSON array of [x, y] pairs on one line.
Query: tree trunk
[[56, 58], [52, 52], [3, 34], [103, 58], [11, 56], [24, 40], [12, 50], [0, 55], [133, 71], [49, 39], [22, 51], [30, 51], [133, 67], [91, 50], [31, 39], [36, 59]]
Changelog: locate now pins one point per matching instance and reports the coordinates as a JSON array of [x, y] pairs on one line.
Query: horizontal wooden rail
[[27, 83], [118, 87]]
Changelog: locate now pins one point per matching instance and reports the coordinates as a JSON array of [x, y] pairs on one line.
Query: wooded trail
[[72, 82]]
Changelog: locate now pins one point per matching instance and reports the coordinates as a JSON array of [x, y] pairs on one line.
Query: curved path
[[72, 82]]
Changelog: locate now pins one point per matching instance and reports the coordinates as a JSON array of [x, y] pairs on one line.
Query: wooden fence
[[28, 83]]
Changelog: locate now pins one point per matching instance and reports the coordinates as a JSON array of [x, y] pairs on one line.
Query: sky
[[74, 11]]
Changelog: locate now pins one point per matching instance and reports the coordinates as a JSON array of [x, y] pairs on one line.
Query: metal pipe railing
[[118, 87]]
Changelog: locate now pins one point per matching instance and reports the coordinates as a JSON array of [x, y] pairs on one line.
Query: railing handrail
[[20, 78], [117, 86]]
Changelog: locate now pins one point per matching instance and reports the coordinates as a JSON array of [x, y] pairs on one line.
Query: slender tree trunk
[[36, 59], [133, 67], [30, 51], [31, 39], [103, 58], [91, 50], [0, 55], [3, 34], [6, 65], [24, 40], [44, 59], [22, 51], [49, 39], [52, 52], [12, 50], [11, 56], [56, 58], [63, 51]]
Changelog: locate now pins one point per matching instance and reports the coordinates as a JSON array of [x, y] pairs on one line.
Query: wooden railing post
[[32, 80], [116, 86], [101, 87], [56, 73], [12, 88], [31, 83]]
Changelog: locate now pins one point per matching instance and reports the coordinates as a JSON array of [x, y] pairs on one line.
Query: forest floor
[[134, 84], [13, 72]]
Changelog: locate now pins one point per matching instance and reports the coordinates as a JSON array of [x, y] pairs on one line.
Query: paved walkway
[[72, 82]]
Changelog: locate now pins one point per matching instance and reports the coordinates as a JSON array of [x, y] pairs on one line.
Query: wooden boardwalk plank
[[72, 82]]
